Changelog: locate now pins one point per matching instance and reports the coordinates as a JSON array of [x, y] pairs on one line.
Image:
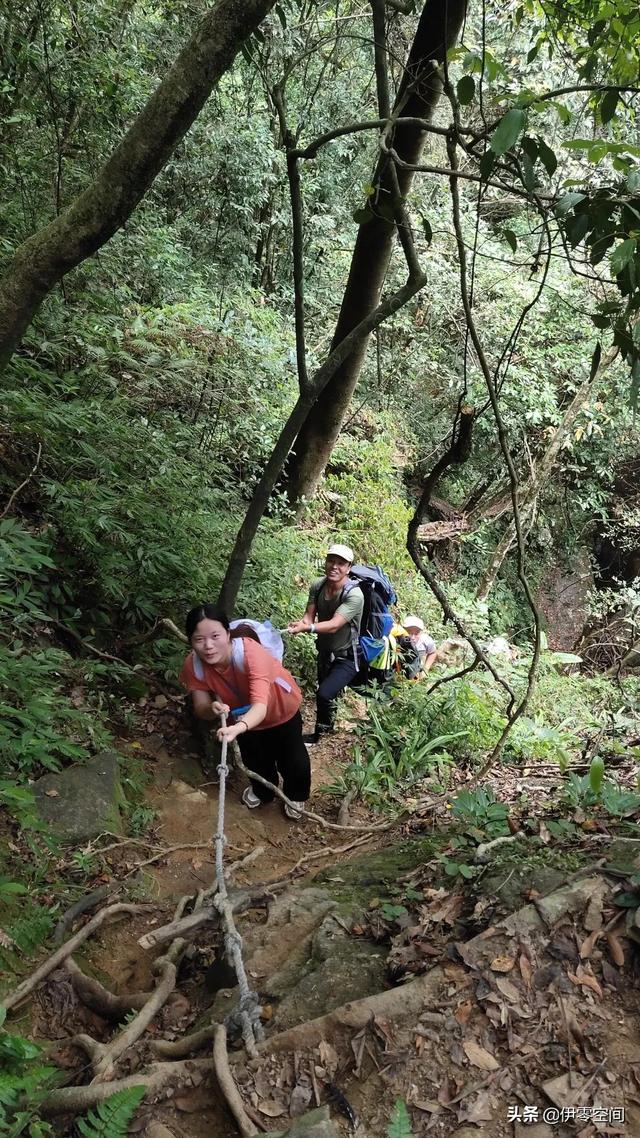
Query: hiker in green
[[333, 612]]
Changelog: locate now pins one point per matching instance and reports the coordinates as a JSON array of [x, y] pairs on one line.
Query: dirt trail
[[186, 805]]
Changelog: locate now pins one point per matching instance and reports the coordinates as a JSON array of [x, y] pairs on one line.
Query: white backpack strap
[[237, 655], [198, 669]]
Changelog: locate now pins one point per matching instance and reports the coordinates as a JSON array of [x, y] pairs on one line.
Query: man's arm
[[429, 662], [303, 625], [307, 624]]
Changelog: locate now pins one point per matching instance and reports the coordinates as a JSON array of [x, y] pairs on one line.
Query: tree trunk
[[275, 465], [103, 208], [438, 29]]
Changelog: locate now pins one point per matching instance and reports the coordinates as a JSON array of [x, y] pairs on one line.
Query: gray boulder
[[82, 801]]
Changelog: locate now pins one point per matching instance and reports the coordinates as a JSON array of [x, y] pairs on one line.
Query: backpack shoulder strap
[[237, 655]]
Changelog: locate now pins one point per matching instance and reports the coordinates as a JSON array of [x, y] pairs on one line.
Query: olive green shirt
[[349, 605]]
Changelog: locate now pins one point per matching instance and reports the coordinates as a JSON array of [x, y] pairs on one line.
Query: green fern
[[28, 934], [111, 1118], [400, 1125]]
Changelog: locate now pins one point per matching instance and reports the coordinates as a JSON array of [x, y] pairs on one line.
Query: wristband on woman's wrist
[[245, 723], [312, 628]]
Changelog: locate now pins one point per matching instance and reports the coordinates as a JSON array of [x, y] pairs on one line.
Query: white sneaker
[[294, 812], [250, 799]]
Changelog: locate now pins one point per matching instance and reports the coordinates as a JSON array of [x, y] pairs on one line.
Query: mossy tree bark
[[417, 97], [104, 207]]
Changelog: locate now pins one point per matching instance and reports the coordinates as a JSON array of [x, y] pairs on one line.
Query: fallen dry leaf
[[589, 943], [585, 979], [463, 1011], [616, 950], [428, 1105], [480, 1110], [563, 1091], [508, 989], [300, 1099], [502, 964], [593, 915], [271, 1108], [544, 833], [526, 970], [479, 1056], [328, 1057], [52, 793]]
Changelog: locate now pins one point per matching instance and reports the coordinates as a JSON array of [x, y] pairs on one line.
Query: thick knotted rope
[[246, 1015]]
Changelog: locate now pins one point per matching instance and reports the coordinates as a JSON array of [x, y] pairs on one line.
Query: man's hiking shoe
[[294, 811], [250, 799]]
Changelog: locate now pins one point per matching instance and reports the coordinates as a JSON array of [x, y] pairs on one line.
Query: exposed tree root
[[100, 999], [180, 1048], [326, 851], [201, 914], [91, 1047], [165, 853], [60, 955], [180, 928], [90, 901], [227, 1085], [103, 1069], [343, 812], [159, 1077], [379, 829]]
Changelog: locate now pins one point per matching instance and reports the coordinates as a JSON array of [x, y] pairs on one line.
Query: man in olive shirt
[[333, 612]]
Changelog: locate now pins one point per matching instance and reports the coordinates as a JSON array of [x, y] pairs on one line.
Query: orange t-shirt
[[254, 676]]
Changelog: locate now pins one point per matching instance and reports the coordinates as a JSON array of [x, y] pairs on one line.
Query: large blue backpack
[[379, 594]]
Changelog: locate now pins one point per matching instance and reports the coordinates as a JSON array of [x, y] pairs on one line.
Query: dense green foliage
[[146, 397], [24, 1077]]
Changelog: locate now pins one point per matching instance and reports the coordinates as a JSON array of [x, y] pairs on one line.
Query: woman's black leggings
[[278, 751]]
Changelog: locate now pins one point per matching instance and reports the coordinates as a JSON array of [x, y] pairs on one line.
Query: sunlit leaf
[[621, 255]]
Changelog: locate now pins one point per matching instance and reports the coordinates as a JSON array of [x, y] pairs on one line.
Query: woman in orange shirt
[[221, 674]]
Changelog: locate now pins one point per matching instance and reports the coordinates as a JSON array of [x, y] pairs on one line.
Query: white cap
[[413, 622], [342, 551]]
